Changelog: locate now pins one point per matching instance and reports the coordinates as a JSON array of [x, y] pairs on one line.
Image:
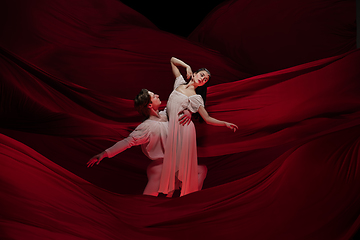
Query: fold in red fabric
[[264, 36], [68, 77]]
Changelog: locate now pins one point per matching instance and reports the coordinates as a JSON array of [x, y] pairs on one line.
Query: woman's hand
[[189, 72], [231, 126], [175, 63], [184, 117], [96, 159]]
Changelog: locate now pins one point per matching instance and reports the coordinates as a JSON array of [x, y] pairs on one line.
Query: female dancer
[[180, 159], [151, 135]]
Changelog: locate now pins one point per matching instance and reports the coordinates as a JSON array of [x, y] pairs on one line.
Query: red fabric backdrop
[[68, 77], [265, 36]]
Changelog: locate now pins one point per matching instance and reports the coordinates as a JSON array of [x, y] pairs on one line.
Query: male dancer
[[151, 135]]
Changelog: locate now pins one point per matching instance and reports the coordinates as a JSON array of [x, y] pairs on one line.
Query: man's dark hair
[[142, 101]]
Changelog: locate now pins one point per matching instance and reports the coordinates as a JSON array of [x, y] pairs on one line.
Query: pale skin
[[196, 80]]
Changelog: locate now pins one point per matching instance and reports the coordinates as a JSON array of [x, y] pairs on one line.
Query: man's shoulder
[[147, 124], [153, 125]]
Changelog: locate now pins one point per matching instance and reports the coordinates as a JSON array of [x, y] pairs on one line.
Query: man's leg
[[202, 171], [153, 173]]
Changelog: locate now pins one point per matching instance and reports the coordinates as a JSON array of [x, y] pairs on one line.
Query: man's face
[[155, 100]]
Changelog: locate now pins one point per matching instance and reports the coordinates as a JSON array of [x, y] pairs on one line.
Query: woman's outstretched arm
[[175, 63], [213, 121]]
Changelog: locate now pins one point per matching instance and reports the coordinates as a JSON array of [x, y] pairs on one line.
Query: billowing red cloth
[[68, 77], [265, 36]]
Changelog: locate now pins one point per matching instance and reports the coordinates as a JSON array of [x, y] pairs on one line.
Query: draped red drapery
[[68, 77]]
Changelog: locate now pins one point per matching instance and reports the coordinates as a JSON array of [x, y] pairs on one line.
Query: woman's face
[[200, 78]]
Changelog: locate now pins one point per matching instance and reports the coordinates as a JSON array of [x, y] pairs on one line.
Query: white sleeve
[[138, 137], [163, 112], [119, 147], [179, 81], [195, 102]]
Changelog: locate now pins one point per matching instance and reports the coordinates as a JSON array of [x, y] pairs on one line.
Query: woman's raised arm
[[175, 63], [213, 121]]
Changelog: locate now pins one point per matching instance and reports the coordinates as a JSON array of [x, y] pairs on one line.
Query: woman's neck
[[191, 85]]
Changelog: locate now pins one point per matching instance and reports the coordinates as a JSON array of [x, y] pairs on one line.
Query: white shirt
[[150, 134]]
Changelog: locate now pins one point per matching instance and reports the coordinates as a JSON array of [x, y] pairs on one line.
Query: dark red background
[[286, 72]]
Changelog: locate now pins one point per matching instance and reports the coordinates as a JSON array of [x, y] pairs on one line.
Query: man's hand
[[96, 159], [184, 117]]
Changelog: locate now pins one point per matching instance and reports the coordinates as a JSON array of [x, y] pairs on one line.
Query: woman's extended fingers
[[234, 127]]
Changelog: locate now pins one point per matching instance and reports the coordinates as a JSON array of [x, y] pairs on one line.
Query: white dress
[[180, 160]]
